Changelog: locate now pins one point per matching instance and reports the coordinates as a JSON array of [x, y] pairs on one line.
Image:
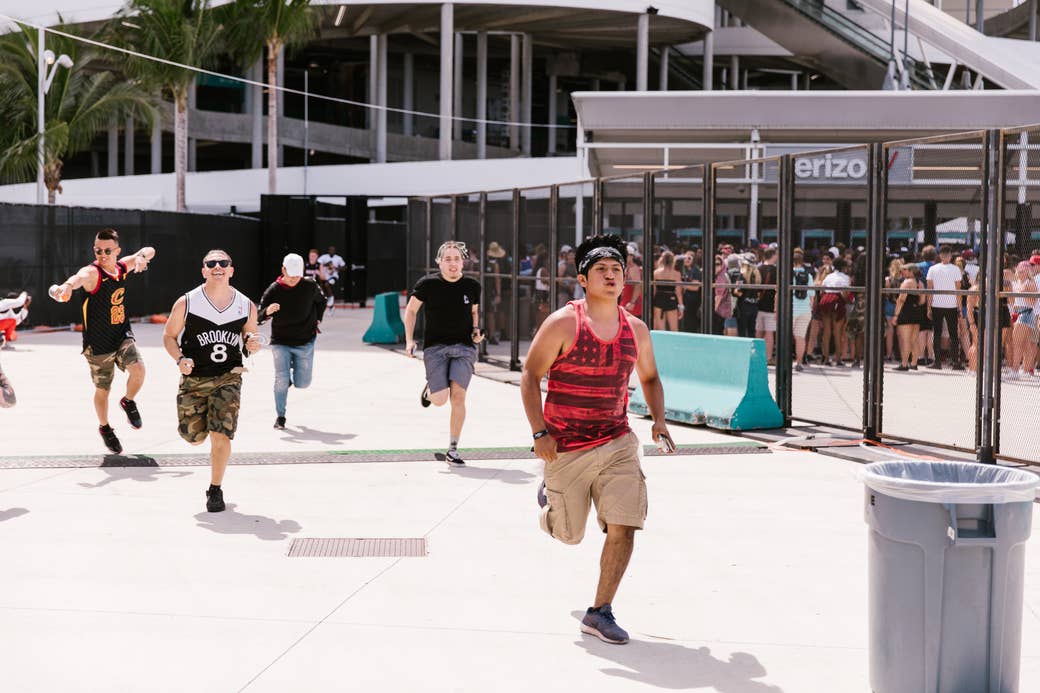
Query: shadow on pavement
[[302, 434], [12, 513], [507, 476], [232, 522], [132, 467], [676, 667]]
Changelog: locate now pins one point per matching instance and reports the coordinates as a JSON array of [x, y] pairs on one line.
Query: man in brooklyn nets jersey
[[212, 322], [108, 340]]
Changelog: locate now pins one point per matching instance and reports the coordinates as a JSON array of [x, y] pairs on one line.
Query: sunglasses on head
[[213, 263], [104, 251]]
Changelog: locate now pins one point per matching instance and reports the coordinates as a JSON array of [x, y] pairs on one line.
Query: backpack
[[801, 278]]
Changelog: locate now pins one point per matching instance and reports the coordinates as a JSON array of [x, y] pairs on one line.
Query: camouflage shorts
[[208, 404], [103, 366]]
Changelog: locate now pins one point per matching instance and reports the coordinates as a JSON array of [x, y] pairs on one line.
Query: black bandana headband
[[597, 254]]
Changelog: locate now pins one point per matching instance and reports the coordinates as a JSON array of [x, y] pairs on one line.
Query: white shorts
[[801, 325], [765, 322]]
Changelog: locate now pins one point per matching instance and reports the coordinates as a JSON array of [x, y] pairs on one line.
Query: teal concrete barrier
[[386, 327], [719, 381]]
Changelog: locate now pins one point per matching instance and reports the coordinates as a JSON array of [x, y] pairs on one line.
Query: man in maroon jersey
[[589, 349]]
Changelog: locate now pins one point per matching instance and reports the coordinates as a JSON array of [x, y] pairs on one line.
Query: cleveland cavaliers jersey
[[105, 325], [212, 338]]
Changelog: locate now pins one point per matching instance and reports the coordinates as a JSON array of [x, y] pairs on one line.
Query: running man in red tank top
[[589, 348]]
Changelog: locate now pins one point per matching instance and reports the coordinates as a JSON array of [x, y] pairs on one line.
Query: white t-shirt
[[336, 261], [945, 277], [972, 270], [835, 280]]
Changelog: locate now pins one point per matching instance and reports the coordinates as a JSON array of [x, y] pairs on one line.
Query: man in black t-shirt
[[452, 332], [765, 322]]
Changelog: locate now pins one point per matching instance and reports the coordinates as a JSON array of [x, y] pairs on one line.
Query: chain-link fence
[[863, 269]]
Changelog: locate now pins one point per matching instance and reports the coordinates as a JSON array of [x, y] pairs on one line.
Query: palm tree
[[81, 102], [280, 24], [184, 32]]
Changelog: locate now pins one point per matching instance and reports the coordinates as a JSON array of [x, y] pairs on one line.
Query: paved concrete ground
[[751, 576]]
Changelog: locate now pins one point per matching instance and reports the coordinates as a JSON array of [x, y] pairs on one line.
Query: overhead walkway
[[1007, 63], [857, 56], [826, 40]]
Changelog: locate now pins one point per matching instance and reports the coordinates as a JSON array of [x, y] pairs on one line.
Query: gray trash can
[[946, 556]]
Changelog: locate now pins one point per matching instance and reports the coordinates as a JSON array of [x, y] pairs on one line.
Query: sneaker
[[839, 364], [798, 367], [111, 442], [902, 368], [1013, 375], [132, 415], [424, 396], [215, 500], [856, 364], [958, 366], [600, 622], [913, 367], [279, 423], [452, 458], [7, 398], [935, 366]]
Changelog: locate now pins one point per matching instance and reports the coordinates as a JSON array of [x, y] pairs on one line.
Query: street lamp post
[[43, 84]]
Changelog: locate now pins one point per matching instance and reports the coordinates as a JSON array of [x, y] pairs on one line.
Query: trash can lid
[[950, 482]]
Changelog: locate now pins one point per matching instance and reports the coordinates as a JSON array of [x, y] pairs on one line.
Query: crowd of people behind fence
[[924, 327]]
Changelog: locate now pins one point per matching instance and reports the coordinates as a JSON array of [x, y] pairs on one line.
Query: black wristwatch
[[540, 434]]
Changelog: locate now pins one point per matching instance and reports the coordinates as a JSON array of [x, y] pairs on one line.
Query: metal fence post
[[988, 412], [482, 267], [552, 255], [514, 300], [648, 247], [874, 339], [784, 308], [708, 237]]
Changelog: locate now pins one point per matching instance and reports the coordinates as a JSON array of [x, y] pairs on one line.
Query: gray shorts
[[449, 363]]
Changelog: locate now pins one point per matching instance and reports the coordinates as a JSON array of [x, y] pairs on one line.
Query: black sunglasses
[[213, 263], [104, 251]]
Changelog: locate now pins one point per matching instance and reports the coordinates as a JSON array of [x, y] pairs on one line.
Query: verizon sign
[[847, 167]]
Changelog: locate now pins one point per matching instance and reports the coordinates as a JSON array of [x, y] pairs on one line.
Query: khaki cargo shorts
[[608, 475], [208, 404], [103, 366]]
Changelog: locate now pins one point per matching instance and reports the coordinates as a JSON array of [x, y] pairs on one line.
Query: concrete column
[[128, 146], [157, 145], [113, 146], [528, 51], [514, 91], [663, 79], [447, 73], [373, 80], [980, 16], [642, 51], [794, 81], [552, 114], [1032, 20], [193, 152], [709, 60], [734, 72], [256, 96], [456, 125], [381, 101], [408, 101], [280, 72], [481, 95]]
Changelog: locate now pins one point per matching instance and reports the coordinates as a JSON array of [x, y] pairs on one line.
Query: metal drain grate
[[357, 548]]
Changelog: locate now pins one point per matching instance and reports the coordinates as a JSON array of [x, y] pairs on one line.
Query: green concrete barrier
[[386, 327], [719, 381]]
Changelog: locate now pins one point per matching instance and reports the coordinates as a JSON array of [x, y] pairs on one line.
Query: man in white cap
[[297, 306]]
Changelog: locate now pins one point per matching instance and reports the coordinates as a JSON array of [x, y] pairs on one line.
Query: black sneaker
[[111, 442], [424, 396], [902, 368], [452, 458], [935, 366], [958, 366], [7, 398], [279, 423], [132, 415], [215, 500]]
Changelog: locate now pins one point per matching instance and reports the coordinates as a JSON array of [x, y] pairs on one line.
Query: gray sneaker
[[600, 622]]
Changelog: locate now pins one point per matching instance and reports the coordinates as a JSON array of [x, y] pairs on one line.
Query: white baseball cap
[[293, 265]]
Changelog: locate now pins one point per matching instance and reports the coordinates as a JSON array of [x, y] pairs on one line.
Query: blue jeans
[[293, 365]]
